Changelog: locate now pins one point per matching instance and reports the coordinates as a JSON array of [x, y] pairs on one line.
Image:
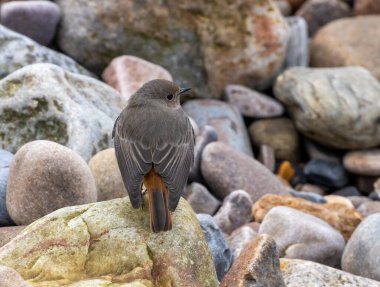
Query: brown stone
[[109, 183], [339, 216], [368, 208], [128, 73], [8, 233], [366, 7], [257, 265], [279, 133], [286, 171], [339, 200], [364, 162], [359, 45], [296, 3], [45, 176], [365, 184]]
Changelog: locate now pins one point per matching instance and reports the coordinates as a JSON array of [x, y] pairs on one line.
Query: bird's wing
[[134, 162], [174, 159]]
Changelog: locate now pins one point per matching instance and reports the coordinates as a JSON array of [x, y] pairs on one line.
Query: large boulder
[[109, 242], [208, 44], [338, 107], [43, 101], [17, 51]]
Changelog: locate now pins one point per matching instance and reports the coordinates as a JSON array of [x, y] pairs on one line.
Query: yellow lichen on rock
[[110, 244]]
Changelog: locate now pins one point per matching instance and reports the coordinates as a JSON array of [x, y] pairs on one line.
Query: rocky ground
[[285, 106]]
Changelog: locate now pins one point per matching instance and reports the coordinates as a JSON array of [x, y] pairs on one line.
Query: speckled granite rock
[[108, 241], [207, 44], [43, 101]]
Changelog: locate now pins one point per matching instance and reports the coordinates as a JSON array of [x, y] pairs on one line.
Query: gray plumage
[[154, 132]]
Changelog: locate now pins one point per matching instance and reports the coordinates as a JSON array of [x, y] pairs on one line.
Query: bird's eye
[[170, 97]]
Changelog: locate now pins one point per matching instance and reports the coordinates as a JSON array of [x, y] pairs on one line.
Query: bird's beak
[[183, 90]]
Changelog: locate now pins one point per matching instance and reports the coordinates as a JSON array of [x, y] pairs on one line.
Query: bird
[[154, 146]]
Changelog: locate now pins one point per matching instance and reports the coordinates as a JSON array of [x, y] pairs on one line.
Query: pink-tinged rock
[[366, 7], [364, 162], [128, 73], [251, 103], [226, 169], [35, 19]]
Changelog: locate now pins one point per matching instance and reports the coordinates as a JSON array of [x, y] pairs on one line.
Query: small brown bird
[[154, 145]]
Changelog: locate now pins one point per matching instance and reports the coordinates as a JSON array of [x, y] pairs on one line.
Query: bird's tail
[[160, 216]]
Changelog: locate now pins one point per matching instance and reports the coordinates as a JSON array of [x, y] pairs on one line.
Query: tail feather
[[160, 215]]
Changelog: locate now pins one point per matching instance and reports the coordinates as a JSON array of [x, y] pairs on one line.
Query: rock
[[266, 157], [207, 44], [206, 136], [5, 161], [314, 99], [347, 191], [365, 7], [298, 47], [339, 216], [201, 200], [296, 4], [364, 162], [18, 51], [317, 151], [336, 199], [284, 7], [286, 172], [224, 118], [307, 187], [374, 196], [368, 208], [365, 184], [298, 273], [358, 200], [239, 238], [235, 211], [326, 173], [8, 233], [59, 178], [221, 163], [10, 278], [127, 74], [252, 103], [35, 19], [104, 168], [361, 256], [43, 101], [332, 48], [309, 196], [278, 133], [318, 13], [303, 236], [217, 244], [110, 237], [258, 265]]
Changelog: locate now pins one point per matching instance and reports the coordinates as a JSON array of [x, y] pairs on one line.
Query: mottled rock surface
[[111, 241], [339, 216], [18, 51], [8, 233], [104, 168], [218, 246], [37, 20], [297, 273], [361, 256], [45, 102], [127, 74], [239, 238], [338, 107], [59, 177], [257, 265], [208, 44], [226, 170], [10, 278], [358, 46], [303, 236], [224, 118]]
